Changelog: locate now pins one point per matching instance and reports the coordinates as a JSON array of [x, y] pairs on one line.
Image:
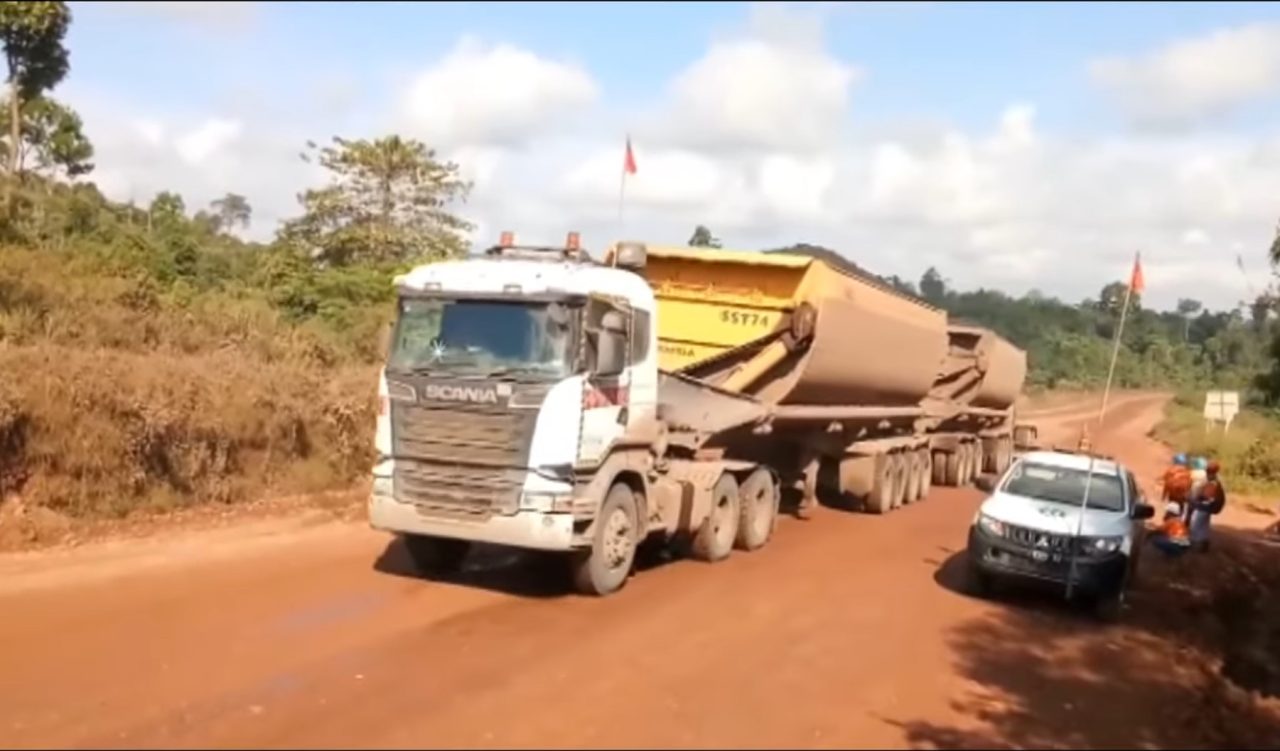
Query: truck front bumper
[[1094, 576], [536, 530]]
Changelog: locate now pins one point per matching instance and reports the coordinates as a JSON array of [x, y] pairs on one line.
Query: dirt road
[[846, 630]]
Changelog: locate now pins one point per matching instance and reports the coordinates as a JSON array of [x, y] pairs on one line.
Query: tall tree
[[167, 210], [702, 238], [932, 286], [32, 34], [230, 211], [1187, 308], [387, 202], [51, 139]]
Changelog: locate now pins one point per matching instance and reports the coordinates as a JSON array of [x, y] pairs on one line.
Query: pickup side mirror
[[1143, 511]]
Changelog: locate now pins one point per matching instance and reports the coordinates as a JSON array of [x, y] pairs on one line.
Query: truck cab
[[1032, 526], [510, 380]]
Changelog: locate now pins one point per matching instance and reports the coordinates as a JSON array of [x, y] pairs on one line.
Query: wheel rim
[[720, 519], [763, 504], [617, 539]]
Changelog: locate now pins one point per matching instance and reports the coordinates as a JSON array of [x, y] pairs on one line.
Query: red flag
[[629, 163], [1136, 282]]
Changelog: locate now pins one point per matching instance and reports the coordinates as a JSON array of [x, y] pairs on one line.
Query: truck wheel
[[758, 500], [880, 499], [978, 460], [901, 478], [965, 468], [939, 468], [436, 556], [915, 476], [951, 468], [927, 472], [603, 569], [715, 537]]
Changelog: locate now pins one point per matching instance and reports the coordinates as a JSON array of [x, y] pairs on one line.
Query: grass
[[1249, 452]]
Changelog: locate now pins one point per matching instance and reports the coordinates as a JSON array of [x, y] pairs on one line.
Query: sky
[[1016, 146]]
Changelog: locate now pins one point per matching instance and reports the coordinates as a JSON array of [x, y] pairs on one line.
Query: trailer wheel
[[927, 470], [978, 460], [939, 476], [604, 568], [901, 478], [915, 476], [1006, 456], [436, 556], [758, 499], [952, 468], [880, 499], [714, 540]]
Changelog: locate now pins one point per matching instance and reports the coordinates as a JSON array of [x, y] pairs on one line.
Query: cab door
[[605, 394]]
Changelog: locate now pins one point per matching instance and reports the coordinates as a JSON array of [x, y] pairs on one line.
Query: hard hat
[[1180, 459], [1199, 463]]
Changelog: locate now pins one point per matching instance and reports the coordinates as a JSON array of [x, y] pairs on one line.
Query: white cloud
[[234, 16], [1009, 205], [1190, 80], [772, 88], [494, 94]]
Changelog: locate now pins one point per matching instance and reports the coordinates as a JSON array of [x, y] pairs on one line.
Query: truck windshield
[[482, 337], [1045, 482]]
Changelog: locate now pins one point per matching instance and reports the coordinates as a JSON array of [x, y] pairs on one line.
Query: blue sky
[[917, 97]]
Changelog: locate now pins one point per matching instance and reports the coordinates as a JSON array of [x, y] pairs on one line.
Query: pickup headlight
[[991, 526], [1101, 545]]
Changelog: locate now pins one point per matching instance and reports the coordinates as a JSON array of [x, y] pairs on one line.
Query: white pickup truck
[[1031, 528]]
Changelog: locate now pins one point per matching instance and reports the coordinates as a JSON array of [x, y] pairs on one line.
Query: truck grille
[[1034, 538], [463, 462]]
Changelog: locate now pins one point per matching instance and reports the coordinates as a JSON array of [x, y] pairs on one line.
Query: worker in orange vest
[[1177, 481]]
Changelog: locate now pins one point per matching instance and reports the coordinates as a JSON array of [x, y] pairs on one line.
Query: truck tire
[[880, 499], [758, 500], [604, 567], [915, 476], [901, 478], [939, 476], [978, 460], [927, 472], [436, 556], [964, 462], [952, 468], [714, 540]]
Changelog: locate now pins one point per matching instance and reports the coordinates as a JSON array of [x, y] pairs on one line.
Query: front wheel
[[604, 568], [436, 556]]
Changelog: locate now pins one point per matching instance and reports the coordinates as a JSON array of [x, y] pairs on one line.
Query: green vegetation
[[1249, 452], [155, 359]]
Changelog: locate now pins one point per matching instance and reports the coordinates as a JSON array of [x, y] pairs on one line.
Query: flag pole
[[1102, 415]]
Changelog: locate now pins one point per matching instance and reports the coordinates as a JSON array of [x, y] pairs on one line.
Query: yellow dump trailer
[[864, 343]]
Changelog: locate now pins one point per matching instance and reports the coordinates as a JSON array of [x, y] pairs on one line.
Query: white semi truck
[[533, 397]]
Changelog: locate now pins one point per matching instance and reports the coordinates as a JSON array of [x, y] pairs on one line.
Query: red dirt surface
[[848, 630]]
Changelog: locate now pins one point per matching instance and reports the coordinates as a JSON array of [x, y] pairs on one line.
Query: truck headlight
[[991, 526], [1101, 545], [547, 503]]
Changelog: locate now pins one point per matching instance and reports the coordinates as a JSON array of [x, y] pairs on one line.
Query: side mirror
[[985, 483], [611, 354], [1143, 511]]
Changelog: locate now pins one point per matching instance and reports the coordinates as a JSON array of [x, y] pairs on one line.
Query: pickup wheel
[[436, 556], [880, 499], [976, 581], [604, 568], [927, 472], [714, 540], [758, 500]]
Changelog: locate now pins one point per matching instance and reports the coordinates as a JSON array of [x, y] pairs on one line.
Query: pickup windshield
[[1044, 482], [482, 337]]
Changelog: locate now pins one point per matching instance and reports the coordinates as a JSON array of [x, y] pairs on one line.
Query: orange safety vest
[[1177, 483]]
